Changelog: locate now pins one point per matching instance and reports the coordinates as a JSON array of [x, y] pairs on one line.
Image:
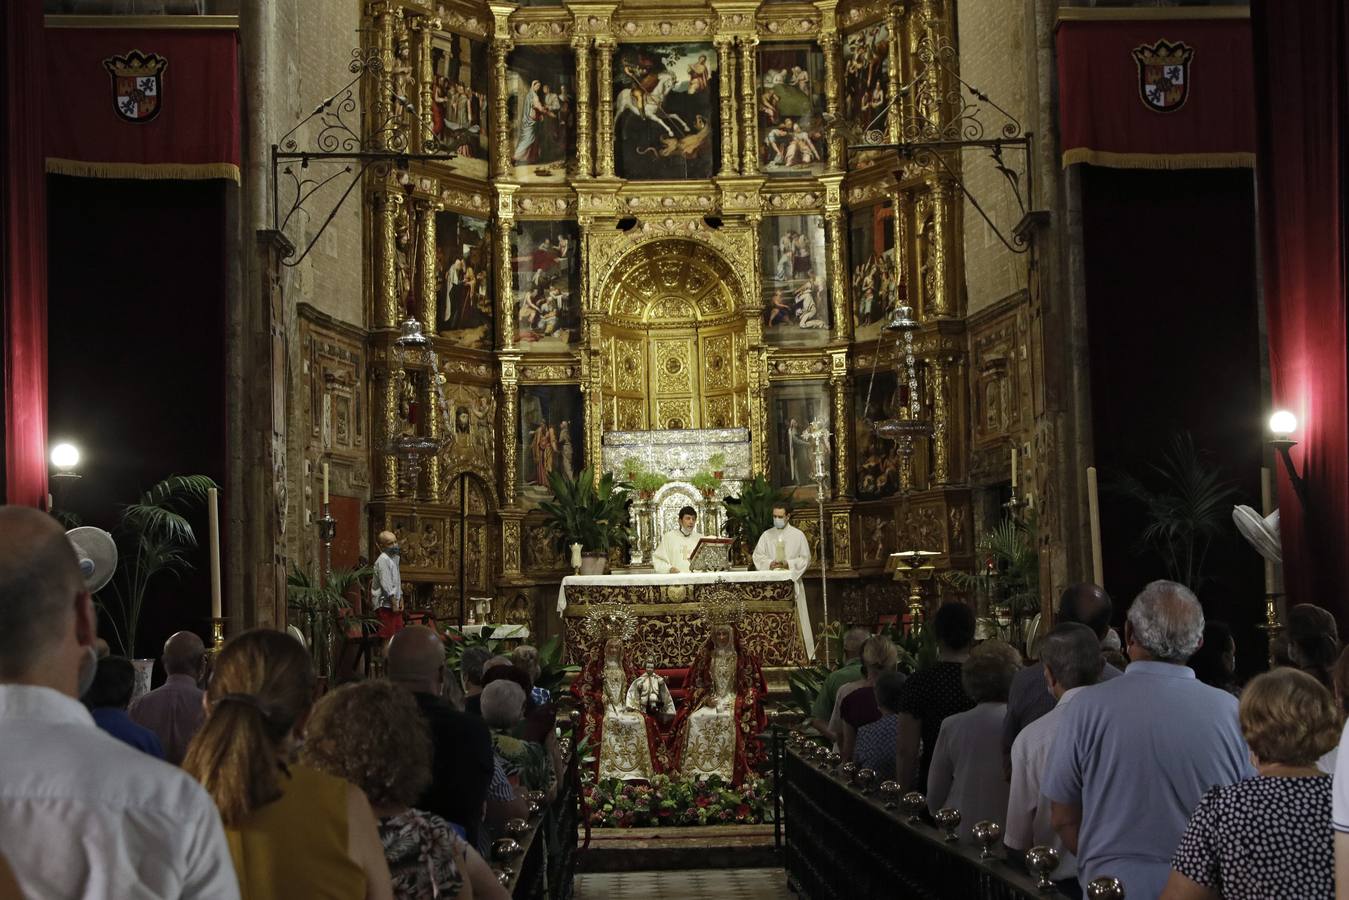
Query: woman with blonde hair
[[372, 735], [1267, 836], [292, 831]]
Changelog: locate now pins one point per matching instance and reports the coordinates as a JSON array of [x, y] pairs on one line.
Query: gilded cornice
[[541, 26], [534, 372], [784, 367], [794, 201], [863, 12], [785, 23], [463, 18], [554, 203], [658, 24]]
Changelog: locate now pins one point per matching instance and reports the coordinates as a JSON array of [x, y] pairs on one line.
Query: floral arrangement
[[611, 803]]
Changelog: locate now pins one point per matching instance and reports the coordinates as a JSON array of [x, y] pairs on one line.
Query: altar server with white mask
[[677, 545], [784, 547]]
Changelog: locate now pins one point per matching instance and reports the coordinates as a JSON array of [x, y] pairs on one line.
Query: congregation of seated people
[[245, 786], [1155, 767]]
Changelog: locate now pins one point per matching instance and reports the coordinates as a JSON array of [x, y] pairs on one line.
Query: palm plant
[[1188, 504], [153, 537], [586, 513], [1010, 574], [751, 514], [327, 611]]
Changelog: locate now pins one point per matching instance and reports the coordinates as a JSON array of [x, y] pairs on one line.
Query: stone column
[[510, 426], [581, 45], [749, 119], [604, 126], [726, 77], [387, 203]]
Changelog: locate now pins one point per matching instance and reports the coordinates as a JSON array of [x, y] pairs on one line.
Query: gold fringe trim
[[178, 171], [1158, 160]]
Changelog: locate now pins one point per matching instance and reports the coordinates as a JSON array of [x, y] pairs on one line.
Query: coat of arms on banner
[[137, 84], [1163, 74]]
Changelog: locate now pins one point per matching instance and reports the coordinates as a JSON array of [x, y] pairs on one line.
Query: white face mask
[[779, 522]]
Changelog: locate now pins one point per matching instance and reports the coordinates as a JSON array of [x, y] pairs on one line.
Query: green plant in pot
[[327, 615], [646, 481], [751, 514], [705, 482], [717, 464], [153, 538], [592, 514]]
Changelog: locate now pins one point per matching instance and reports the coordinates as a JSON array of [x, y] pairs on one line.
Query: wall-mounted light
[[1282, 424], [65, 459]]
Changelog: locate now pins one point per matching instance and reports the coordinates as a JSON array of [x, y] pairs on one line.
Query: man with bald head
[[82, 814], [387, 590], [1085, 604], [1132, 757], [467, 782], [173, 711]]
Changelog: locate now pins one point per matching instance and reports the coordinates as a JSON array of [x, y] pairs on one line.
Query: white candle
[[1014, 468], [576, 556], [213, 524], [1267, 507], [1094, 511], [325, 484], [780, 552]]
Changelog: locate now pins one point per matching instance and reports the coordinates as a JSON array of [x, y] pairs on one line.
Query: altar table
[[668, 609]]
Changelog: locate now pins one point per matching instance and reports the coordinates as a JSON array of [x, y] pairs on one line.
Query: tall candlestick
[[1094, 511], [325, 484], [1013, 468], [1267, 507], [213, 524]]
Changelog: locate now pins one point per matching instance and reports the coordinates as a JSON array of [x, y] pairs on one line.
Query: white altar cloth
[[651, 579]]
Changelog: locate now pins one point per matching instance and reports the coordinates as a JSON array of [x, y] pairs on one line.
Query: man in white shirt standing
[[1071, 654], [387, 590], [784, 547], [82, 814], [677, 545]]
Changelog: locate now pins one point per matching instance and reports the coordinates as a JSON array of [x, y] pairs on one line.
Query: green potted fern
[[592, 514], [751, 514]]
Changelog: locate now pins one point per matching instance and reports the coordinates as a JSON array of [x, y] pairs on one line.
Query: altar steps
[[722, 884], [688, 847]]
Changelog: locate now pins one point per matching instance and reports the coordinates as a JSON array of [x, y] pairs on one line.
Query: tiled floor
[[724, 884]]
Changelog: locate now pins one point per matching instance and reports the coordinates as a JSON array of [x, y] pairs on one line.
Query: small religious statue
[[628, 744], [717, 733], [650, 694]]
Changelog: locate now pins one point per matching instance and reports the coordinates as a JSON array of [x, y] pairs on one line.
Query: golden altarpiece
[[650, 223]]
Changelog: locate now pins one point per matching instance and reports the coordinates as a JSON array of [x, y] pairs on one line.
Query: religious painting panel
[[551, 435], [878, 462], [464, 280], [866, 82], [666, 111], [791, 410], [791, 105], [546, 280], [541, 90], [872, 273], [460, 112], [793, 268]]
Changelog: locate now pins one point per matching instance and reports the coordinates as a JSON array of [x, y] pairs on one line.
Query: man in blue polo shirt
[[1134, 755]]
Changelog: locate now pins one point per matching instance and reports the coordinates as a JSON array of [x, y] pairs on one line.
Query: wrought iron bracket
[[343, 151]]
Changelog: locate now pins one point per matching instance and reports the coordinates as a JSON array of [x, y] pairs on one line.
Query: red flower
[[742, 810], [703, 801]]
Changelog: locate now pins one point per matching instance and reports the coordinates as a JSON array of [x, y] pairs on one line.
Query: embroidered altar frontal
[[669, 614]]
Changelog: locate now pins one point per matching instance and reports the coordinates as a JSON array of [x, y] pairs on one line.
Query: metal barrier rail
[[845, 838], [536, 860]]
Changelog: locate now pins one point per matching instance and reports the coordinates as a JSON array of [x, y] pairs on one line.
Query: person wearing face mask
[[82, 813], [677, 545], [784, 548], [386, 591]]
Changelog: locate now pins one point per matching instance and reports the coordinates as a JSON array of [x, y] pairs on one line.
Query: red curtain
[[1302, 83], [22, 184]]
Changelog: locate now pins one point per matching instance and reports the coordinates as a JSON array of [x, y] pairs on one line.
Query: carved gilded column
[[893, 120], [840, 387], [426, 263], [505, 222], [425, 27], [940, 384], [385, 466], [604, 126], [581, 44], [501, 48], [387, 206], [385, 14], [829, 45], [749, 119], [945, 248], [726, 63], [429, 489], [511, 533], [836, 233], [510, 424]]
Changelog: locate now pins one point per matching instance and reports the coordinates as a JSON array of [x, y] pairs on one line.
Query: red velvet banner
[[142, 103], [1302, 57], [1168, 93], [23, 255]]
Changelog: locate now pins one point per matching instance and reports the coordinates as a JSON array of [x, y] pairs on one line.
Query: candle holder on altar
[[217, 634]]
